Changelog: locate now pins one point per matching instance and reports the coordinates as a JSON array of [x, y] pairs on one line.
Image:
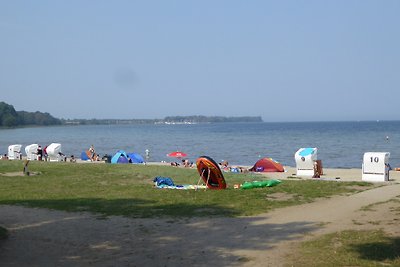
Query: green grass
[[119, 189], [372, 207], [349, 248]]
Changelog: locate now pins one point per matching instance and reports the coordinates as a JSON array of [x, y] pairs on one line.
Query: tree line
[[9, 117]]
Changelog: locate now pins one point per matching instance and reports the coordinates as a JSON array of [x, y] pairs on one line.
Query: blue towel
[[159, 180]]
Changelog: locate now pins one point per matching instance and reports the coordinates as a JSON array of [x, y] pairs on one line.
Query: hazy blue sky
[[282, 60]]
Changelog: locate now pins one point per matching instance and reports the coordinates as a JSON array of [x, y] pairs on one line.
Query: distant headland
[[166, 120], [9, 117]]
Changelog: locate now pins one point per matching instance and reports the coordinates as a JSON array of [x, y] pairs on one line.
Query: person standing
[[45, 156], [39, 153]]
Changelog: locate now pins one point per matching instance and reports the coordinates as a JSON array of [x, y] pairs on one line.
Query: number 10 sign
[[375, 167]]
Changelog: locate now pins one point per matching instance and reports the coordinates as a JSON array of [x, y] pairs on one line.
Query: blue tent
[[120, 157], [135, 158]]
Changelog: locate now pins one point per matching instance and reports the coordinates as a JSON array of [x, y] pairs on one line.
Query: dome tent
[[135, 158], [123, 157], [267, 165], [120, 157]]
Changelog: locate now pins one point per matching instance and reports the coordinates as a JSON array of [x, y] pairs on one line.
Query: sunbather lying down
[[187, 163]]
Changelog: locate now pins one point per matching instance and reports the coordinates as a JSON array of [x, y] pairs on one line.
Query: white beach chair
[[31, 152], [54, 152], [14, 152]]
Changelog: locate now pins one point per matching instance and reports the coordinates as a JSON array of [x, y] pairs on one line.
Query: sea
[[339, 144]]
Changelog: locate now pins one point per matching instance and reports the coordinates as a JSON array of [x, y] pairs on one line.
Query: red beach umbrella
[[177, 154]]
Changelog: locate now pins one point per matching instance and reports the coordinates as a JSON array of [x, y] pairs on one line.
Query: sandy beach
[[41, 237], [347, 175]]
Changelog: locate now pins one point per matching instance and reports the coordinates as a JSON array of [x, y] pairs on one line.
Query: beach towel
[[168, 183]]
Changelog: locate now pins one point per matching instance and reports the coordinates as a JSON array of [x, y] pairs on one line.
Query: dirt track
[[40, 237]]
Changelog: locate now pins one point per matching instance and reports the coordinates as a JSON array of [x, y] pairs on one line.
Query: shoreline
[[329, 174], [242, 144], [332, 174]]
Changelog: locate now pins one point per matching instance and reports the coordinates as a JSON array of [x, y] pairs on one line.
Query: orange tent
[[267, 165]]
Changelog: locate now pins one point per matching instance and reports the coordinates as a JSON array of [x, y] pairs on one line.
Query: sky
[[281, 60]]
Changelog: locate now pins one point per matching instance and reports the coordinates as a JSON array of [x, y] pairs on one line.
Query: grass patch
[[371, 207], [127, 189], [349, 248]]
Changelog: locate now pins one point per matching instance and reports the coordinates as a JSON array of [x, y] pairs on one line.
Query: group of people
[[185, 163], [224, 165], [92, 153], [93, 156], [42, 154]]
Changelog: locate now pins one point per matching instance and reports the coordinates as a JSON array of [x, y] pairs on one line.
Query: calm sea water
[[340, 144]]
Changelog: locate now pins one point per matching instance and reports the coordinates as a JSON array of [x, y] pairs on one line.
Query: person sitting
[[62, 156], [72, 159], [92, 153], [224, 165]]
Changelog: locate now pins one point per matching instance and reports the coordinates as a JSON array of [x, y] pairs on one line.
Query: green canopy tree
[[11, 118], [8, 115]]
